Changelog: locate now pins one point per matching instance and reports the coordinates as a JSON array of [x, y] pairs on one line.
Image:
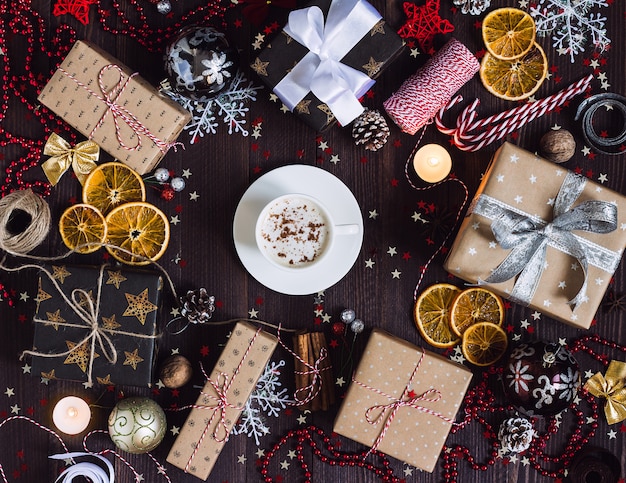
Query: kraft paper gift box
[[233, 379], [110, 104], [550, 223], [360, 44], [110, 310], [402, 400]]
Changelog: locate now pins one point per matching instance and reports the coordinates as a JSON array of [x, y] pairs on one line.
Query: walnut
[[175, 371], [558, 146]]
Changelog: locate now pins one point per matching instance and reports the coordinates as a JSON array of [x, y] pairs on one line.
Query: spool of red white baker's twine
[[313, 389], [407, 399], [109, 97], [423, 94], [500, 125], [459, 212], [221, 403]]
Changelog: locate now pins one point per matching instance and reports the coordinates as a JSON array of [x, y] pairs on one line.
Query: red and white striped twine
[[222, 403], [406, 399], [500, 125], [419, 98], [138, 477], [314, 388], [109, 97], [40, 426]]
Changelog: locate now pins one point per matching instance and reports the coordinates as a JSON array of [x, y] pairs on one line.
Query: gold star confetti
[[260, 67], [326, 110], [83, 298], [110, 323], [303, 107], [41, 295], [79, 355], [54, 319], [48, 375], [132, 358], [60, 273], [139, 306], [115, 278], [372, 67], [105, 381], [379, 28]]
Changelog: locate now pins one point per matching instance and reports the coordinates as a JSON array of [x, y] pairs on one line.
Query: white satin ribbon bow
[[320, 70]]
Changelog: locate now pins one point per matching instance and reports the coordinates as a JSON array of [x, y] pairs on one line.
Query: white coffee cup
[[296, 231]]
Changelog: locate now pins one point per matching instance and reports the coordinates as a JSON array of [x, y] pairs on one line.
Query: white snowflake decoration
[[267, 400], [231, 106], [571, 24], [473, 7]]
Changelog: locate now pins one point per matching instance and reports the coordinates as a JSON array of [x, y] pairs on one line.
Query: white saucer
[[311, 181]]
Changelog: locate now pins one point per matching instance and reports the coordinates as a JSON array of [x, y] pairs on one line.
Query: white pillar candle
[[432, 163], [71, 415]]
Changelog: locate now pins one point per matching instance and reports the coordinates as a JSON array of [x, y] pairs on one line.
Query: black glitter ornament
[[200, 63]]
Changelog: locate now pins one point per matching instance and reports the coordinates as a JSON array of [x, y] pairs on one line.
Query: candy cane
[[500, 125]]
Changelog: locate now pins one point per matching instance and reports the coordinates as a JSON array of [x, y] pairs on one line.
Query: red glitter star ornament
[[423, 23], [77, 8]]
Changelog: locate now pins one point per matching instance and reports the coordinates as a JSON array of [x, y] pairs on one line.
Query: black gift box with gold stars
[[371, 55], [97, 325]]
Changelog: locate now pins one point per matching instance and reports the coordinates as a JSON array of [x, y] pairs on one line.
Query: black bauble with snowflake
[[541, 378], [200, 63]]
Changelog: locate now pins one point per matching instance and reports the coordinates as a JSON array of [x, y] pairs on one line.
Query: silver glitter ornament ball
[[162, 175], [177, 184], [164, 7], [357, 326], [347, 316]]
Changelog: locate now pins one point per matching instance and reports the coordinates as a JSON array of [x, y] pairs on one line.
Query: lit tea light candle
[[432, 163], [71, 415]]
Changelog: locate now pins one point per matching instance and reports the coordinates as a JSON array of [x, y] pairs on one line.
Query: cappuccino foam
[[294, 232]]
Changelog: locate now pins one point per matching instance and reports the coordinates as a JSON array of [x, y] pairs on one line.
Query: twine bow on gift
[[97, 336], [81, 158], [321, 71], [110, 96], [528, 238], [611, 387], [221, 403], [409, 398]]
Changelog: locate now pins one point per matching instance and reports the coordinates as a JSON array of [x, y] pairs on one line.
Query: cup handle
[[346, 229]]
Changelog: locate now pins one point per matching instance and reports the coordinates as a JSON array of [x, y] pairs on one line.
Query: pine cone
[[370, 129], [515, 435], [197, 306]]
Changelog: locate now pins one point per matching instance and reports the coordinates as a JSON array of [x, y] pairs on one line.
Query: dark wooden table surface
[[201, 252]]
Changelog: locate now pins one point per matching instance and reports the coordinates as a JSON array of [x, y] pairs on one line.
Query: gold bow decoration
[[81, 158], [611, 386]]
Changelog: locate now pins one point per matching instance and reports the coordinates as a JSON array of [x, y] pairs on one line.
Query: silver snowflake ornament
[[216, 66]]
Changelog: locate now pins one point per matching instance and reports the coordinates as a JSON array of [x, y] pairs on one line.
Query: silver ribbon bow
[[320, 71], [528, 238]]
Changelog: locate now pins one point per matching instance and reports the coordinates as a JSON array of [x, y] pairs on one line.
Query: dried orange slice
[[82, 228], [515, 79], [432, 314], [484, 343], [141, 230], [111, 185], [508, 33], [476, 304]]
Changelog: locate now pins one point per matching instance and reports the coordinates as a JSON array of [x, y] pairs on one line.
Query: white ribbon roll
[[92, 471], [320, 70]]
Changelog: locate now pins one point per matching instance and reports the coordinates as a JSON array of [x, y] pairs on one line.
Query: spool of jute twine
[[24, 222]]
